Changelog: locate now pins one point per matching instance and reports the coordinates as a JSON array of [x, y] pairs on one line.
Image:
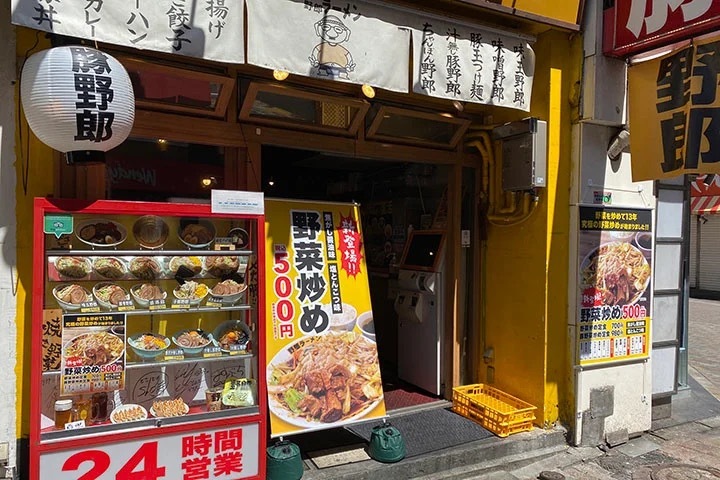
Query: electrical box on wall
[[524, 154]]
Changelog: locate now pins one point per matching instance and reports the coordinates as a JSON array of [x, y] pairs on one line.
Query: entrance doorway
[[396, 199]]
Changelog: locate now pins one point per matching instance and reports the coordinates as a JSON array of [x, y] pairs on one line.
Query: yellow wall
[[563, 10], [527, 265], [35, 163]]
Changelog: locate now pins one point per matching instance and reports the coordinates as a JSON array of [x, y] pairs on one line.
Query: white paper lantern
[[77, 98]]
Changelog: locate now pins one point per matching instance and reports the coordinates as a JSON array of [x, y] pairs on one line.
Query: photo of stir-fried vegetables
[[618, 270], [325, 379], [95, 348]]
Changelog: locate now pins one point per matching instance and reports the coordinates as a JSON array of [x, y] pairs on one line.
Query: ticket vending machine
[[419, 306]]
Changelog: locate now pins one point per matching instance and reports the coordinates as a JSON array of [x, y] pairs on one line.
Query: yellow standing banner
[[675, 112], [322, 362]]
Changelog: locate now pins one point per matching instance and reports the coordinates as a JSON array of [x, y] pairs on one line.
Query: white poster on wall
[[350, 42], [211, 29], [470, 64]]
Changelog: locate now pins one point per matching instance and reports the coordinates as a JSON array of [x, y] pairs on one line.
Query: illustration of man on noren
[[329, 57]]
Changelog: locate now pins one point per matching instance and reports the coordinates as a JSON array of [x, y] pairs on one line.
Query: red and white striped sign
[[705, 194]]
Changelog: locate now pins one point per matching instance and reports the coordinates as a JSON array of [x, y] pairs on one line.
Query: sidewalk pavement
[[674, 449], [683, 447]]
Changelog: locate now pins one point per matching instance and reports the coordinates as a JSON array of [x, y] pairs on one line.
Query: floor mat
[[406, 397], [429, 430]]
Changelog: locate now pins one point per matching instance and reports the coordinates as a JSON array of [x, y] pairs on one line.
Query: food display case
[[147, 342]]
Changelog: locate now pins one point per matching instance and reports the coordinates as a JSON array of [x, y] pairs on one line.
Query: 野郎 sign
[[364, 42], [323, 368], [470, 64], [675, 112], [77, 98]]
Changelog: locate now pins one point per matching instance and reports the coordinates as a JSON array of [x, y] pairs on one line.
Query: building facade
[[513, 313]]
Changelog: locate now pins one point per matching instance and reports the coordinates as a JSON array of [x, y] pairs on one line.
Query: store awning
[[705, 204], [705, 194], [362, 42]]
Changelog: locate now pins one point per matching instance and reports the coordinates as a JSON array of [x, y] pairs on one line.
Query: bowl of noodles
[[324, 380], [109, 295], [618, 270], [233, 336], [149, 345], [71, 296], [73, 268], [93, 349], [196, 233], [192, 341]]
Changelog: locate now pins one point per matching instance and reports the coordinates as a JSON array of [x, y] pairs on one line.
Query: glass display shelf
[[196, 414], [147, 253], [162, 363], [178, 310]]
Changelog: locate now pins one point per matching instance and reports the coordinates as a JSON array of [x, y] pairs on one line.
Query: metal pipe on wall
[[504, 208]]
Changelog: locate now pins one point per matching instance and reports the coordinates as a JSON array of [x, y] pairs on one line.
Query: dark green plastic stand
[[284, 461], [386, 444]]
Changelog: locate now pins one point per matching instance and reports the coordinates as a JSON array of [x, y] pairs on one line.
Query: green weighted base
[[284, 462], [386, 444]]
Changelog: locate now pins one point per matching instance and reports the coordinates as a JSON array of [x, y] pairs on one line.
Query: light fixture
[[368, 90], [208, 181], [280, 75], [459, 106], [271, 181], [618, 144], [161, 141], [49, 94]]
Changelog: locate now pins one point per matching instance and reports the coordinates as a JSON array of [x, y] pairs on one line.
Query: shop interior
[[400, 195], [396, 198]]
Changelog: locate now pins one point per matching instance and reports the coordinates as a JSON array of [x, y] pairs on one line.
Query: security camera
[[618, 143]]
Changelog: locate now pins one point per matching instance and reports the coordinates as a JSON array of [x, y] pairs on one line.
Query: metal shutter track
[[693, 251]]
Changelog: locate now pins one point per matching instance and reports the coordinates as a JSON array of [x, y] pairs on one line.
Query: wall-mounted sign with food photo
[[614, 275], [93, 353], [322, 368]]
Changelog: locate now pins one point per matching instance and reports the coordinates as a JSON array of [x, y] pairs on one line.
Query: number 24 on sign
[[146, 455]]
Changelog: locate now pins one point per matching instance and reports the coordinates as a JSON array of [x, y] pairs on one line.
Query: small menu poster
[[93, 353]]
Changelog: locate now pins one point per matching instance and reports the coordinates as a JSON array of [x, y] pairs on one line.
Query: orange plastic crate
[[495, 410]]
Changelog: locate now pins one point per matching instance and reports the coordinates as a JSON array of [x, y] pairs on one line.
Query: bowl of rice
[[341, 321]]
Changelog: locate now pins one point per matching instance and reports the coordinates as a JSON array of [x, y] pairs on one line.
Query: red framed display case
[[166, 381]]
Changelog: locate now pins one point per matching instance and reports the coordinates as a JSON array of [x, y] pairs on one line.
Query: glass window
[[163, 87], [157, 170], [407, 126], [280, 105]]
